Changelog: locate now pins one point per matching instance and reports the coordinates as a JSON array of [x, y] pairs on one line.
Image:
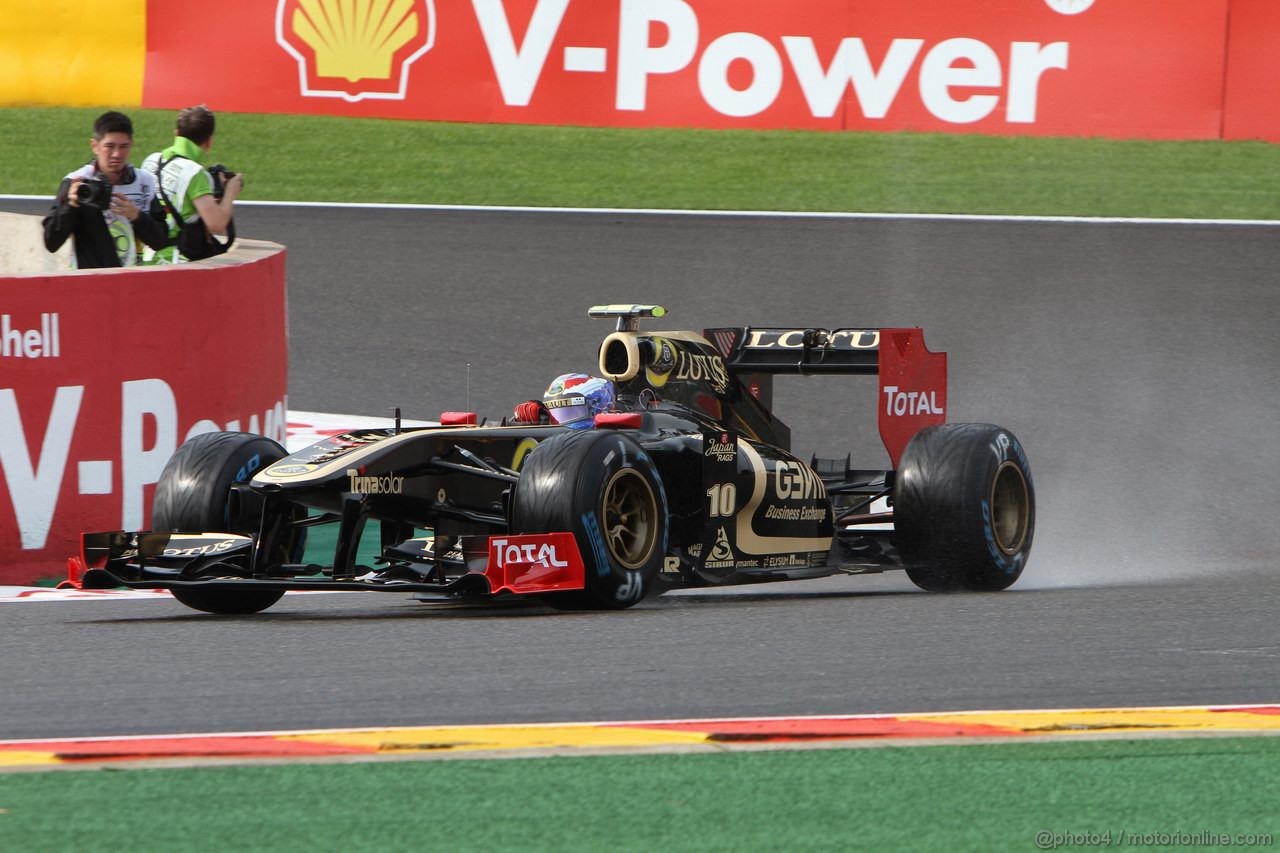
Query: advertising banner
[[72, 52], [104, 373], [1119, 68], [1253, 77]]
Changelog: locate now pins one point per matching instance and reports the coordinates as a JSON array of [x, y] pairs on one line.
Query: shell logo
[[355, 49], [1069, 7]]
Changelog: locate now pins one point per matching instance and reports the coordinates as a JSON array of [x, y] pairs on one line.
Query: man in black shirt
[[107, 206]]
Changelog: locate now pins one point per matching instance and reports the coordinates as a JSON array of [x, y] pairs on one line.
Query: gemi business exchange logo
[[355, 49]]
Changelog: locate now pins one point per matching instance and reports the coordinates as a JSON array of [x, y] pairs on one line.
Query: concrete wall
[[22, 247]]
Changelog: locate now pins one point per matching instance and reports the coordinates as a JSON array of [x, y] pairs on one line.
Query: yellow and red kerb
[[643, 736]]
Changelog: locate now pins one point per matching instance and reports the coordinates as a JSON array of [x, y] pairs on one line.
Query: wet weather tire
[[964, 508], [601, 486], [194, 495]]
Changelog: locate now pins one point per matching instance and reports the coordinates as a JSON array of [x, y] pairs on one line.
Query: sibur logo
[[353, 50]]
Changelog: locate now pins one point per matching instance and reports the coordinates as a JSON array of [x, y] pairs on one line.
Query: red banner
[[103, 374], [1120, 68], [1253, 79]]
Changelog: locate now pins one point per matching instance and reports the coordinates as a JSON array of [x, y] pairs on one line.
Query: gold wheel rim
[[1010, 508], [630, 518]]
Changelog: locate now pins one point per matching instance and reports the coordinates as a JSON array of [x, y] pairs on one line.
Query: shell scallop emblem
[[355, 49]]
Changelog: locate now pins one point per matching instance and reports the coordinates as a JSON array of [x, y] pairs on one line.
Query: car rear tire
[[964, 508], [602, 487], [193, 495]]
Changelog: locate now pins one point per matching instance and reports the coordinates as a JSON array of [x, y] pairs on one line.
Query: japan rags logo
[[355, 51]]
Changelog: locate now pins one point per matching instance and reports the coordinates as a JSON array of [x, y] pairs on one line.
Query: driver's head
[[574, 399]]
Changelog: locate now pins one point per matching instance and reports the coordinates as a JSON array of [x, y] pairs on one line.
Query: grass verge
[[372, 160], [990, 797]]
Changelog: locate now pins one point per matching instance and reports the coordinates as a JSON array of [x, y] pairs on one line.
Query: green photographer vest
[[184, 180]]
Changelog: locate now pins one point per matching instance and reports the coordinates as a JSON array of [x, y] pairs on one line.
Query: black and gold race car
[[688, 480]]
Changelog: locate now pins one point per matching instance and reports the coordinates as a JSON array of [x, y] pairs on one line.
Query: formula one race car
[[686, 481]]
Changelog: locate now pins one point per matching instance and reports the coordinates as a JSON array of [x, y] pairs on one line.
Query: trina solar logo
[[355, 50]]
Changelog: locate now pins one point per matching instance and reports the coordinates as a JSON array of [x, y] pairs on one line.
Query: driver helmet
[[574, 399]]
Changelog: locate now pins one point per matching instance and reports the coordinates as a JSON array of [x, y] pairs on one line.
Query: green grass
[[372, 160], [936, 798]]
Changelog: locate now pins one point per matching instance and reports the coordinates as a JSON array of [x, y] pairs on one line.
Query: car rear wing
[[913, 380], [803, 351]]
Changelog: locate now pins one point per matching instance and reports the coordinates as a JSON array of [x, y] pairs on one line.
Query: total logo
[[531, 551], [365, 50], [901, 403]]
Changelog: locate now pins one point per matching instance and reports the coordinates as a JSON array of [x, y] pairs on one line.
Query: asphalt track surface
[[1137, 363]]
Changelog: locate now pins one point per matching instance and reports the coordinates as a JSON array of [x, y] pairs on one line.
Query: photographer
[[199, 202], [107, 206]]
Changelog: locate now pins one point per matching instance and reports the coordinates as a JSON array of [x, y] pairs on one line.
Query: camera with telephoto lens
[[220, 174], [94, 192]]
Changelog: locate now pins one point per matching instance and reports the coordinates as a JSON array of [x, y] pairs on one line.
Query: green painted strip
[[923, 798], [322, 541]]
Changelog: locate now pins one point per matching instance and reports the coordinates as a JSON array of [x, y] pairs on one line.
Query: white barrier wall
[[22, 247]]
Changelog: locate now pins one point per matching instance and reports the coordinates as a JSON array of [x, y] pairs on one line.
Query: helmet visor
[[568, 409]]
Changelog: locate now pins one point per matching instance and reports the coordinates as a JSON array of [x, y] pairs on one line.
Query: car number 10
[[724, 497]]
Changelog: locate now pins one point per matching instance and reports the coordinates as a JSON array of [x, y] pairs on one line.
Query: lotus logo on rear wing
[[839, 339], [798, 350]]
